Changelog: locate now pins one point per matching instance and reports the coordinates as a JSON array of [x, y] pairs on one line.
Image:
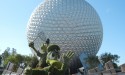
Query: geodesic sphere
[[71, 24]]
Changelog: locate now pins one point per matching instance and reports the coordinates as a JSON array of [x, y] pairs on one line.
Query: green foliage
[[11, 59], [105, 57], [33, 62], [27, 59], [18, 59], [92, 61], [6, 53]]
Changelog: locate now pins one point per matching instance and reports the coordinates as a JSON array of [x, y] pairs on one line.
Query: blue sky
[[15, 14]]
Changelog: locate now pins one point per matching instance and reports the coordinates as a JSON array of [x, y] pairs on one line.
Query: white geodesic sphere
[[71, 24]]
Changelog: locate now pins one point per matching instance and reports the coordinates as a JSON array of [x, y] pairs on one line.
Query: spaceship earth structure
[[71, 24]]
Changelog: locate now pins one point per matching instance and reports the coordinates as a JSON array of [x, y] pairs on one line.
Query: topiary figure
[[55, 67]]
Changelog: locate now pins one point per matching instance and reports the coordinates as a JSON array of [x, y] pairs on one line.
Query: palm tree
[[105, 57], [108, 56], [92, 61]]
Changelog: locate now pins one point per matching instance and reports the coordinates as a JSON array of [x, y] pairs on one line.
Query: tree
[[92, 61], [6, 53], [11, 59], [108, 56], [10, 55], [14, 51], [34, 61], [27, 59], [105, 57], [18, 59]]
